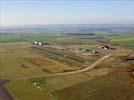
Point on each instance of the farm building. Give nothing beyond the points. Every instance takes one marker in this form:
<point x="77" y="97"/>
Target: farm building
<point x="104" y="44"/>
<point x="40" y="43"/>
<point x="105" y="47"/>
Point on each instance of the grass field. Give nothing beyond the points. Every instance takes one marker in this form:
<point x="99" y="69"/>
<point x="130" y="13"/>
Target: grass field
<point x="47" y="86"/>
<point x="25" y="90"/>
<point x="124" y="40"/>
<point x="111" y="87"/>
<point x="21" y="62"/>
<point x="18" y="60"/>
<point x="10" y="38"/>
<point x="6" y="38"/>
<point x="121" y="39"/>
<point x="74" y="87"/>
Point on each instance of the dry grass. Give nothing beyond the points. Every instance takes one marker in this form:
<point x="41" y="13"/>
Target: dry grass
<point x="14" y="56"/>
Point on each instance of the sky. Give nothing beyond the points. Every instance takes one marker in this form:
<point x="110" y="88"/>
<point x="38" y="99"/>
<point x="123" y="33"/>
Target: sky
<point x="27" y="12"/>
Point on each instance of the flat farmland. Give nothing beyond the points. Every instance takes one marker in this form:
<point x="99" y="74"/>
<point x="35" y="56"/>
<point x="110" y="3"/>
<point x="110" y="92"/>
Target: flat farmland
<point x="74" y="86"/>
<point x="124" y="40"/>
<point x="37" y="72"/>
<point x="110" y="87"/>
<point x="17" y="60"/>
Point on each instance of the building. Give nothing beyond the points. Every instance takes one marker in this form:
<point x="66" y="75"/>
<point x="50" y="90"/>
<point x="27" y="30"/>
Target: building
<point x="40" y="43"/>
<point x="106" y="47"/>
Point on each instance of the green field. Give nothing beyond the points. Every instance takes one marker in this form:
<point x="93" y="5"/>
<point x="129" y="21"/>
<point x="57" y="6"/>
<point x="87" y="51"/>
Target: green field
<point x="121" y="39"/>
<point x="25" y="90"/>
<point x="5" y="38"/>
<point x="124" y="40"/>
<point x="110" y="87"/>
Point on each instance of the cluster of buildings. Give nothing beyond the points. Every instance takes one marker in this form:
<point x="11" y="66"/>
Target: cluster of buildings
<point x="80" y="50"/>
<point x="85" y="51"/>
<point x="40" y="43"/>
<point x="105" y="45"/>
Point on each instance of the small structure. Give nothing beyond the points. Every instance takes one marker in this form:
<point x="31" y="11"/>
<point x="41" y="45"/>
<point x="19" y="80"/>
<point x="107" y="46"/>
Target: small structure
<point x="34" y="83"/>
<point x="104" y="44"/>
<point x="40" y="43"/>
<point x="35" y="42"/>
<point x="105" y="47"/>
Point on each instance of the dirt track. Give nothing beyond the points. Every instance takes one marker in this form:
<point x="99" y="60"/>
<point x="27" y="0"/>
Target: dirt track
<point x="73" y="72"/>
<point x="4" y="95"/>
<point x="85" y="69"/>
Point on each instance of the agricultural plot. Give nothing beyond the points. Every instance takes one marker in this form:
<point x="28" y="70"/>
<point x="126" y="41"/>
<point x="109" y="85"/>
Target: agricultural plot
<point x="110" y="87"/>
<point x="7" y="38"/>
<point x="124" y="40"/>
<point x="79" y="86"/>
<point x="17" y="60"/>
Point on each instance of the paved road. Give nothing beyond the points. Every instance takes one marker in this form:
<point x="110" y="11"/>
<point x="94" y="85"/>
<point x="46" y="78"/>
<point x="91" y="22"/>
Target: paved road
<point x="73" y="72"/>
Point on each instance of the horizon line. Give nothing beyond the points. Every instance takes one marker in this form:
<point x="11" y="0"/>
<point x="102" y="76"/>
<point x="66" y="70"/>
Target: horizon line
<point x="71" y="24"/>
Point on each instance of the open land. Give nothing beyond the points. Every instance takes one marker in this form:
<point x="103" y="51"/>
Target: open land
<point x="70" y="67"/>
